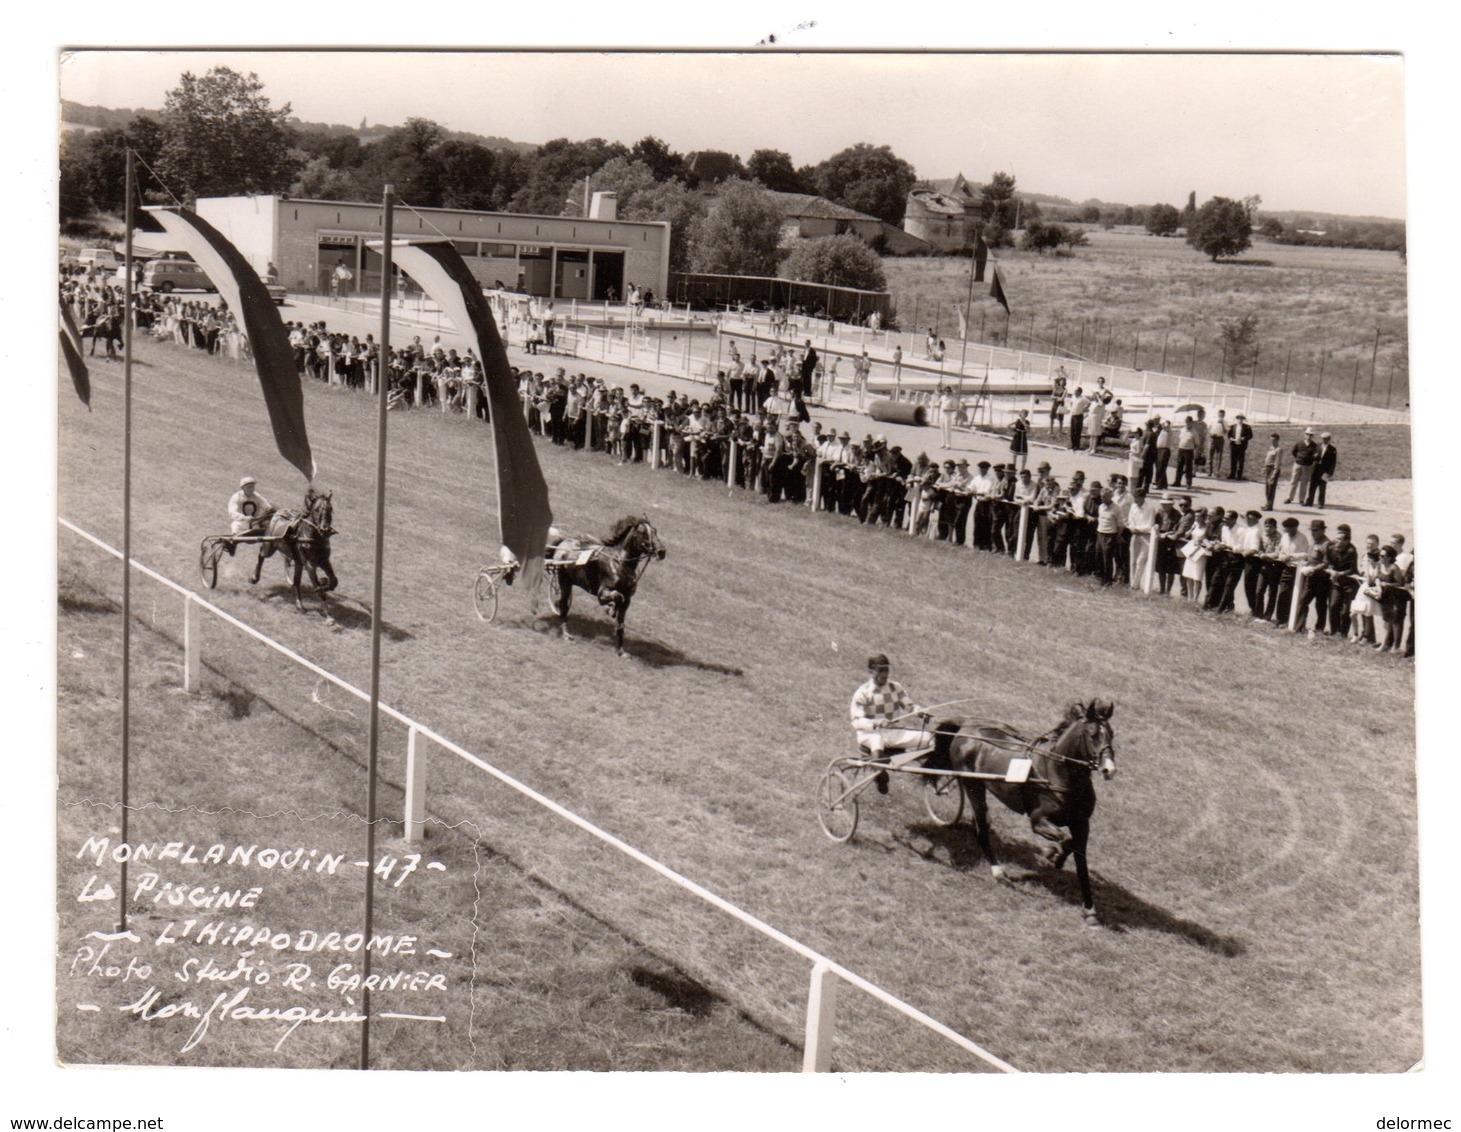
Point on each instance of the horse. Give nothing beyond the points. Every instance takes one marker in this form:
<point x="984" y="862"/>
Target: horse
<point x="610" y="571"/>
<point x="1058" y="798"/>
<point x="303" y="538"/>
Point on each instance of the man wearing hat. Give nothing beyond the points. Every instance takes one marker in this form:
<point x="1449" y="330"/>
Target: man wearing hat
<point x="1239" y="436"/>
<point x="883" y="716"/>
<point x="1325" y="462"/>
<point x="1317" y="586"/>
<point x="1306" y="453"/>
<point x="248" y="511"/>
<point x="983" y="485"/>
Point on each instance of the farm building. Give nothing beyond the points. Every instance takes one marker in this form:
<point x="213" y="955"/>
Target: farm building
<point x="561" y="257"/>
<point x="946" y="214"/>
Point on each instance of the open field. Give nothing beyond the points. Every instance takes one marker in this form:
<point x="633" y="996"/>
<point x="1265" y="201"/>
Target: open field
<point x="1254" y="857"/>
<point x="1315" y="305"/>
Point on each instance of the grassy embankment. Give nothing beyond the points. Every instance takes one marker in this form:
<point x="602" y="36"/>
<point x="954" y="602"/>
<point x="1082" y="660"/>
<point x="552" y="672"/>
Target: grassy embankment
<point x="1253" y="860"/>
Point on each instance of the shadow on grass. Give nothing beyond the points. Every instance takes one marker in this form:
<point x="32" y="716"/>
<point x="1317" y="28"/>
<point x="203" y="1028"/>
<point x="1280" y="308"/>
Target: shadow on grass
<point x="1120" y="909"/>
<point x="599" y="632"/>
<point x="678" y="990"/>
<point x="345" y="612"/>
<point x="69" y="603"/>
<point x="1245" y="262"/>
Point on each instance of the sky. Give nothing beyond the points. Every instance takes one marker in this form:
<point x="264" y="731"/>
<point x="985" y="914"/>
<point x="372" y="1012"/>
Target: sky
<point x="1307" y="132"/>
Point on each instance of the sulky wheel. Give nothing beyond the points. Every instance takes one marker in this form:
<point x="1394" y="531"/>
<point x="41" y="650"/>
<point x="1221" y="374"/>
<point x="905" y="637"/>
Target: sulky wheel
<point x="484" y="594"/>
<point x="837" y="805"/>
<point x="943" y="798"/>
<point x="208" y="557"/>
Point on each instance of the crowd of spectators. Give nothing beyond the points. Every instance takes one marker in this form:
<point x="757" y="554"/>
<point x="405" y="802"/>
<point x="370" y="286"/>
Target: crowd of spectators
<point x="748" y="431"/>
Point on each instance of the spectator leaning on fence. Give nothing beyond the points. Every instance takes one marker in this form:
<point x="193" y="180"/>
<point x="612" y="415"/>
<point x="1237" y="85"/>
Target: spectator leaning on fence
<point x="1087" y="529"/>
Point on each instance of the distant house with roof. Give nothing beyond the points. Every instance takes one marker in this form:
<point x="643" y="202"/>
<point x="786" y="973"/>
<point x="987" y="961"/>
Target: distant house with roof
<point x="805" y="216"/>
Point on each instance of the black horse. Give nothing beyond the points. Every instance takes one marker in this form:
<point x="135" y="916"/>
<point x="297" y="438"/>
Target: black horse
<point x="610" y="570"/>
<point x="1059" y="798"/>
<point x="303" y="538"/>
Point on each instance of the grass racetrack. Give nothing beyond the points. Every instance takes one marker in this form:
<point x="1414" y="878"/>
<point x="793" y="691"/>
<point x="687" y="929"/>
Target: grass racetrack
<point x="1255" y="859"/>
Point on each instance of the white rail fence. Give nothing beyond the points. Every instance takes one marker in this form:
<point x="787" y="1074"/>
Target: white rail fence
<point x="826" y="975"/>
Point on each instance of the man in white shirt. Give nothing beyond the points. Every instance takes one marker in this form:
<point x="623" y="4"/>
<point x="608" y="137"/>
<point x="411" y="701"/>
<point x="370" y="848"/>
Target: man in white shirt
<point x="248" y="511"/>
<point x="1141" y="519"/>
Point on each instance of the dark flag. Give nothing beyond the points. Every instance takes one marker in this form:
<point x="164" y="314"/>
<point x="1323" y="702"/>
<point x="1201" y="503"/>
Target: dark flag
<point x="523" y="510"/>
<point x="71" y="351"/>
<point x="996" y="292"/>
<point x="981" y="257"/>
<point x="241" y="288"/>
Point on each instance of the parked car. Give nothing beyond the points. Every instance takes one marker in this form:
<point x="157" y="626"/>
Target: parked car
<point x="168" y="275"/>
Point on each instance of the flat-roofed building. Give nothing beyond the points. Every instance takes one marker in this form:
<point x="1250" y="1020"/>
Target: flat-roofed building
<point x="560" y="257"/>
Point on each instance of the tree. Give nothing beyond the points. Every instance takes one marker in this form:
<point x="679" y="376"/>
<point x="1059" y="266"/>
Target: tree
<point x="870" y="179"/>
<point x="1189" y="212"/>
<point x="463" y="172"/>
<point x="1042" y="236"/>
<point x="1163" y="219"/>
<point x="558" y="170"/>
<point x="999" y="201"/>
<point x="1240" y="343"/>
<point x="320" y="180"/>
<point x="623" y="177"/>
<point x="94" y="165"/>
<point x="1222" y="227"/>
<point x="222" y="137"/>
<point x="775" y="171"/>
<point x="842" y="261"/>
<point x="1272" y="228"/>
<point x="739" y="234"/>
<point x="712" y="166"/>
<point x="675" y="202"/>
<point x="403" y="158"/>
<point x="664" y="164"/>
<point x="1091" y="214"/>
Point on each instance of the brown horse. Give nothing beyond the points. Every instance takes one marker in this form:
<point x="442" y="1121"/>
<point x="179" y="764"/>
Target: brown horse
<point x="303" y="538"/>
<point x="1058" y="798"/>
<point x="610" y="570"/>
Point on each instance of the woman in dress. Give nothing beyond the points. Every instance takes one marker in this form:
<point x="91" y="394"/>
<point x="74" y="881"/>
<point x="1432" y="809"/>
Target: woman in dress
<point x="1366" y="604"/>
<point x="1020" y="440"/>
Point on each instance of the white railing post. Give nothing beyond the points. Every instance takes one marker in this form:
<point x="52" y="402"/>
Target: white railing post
<point x="415" y="810"/>
<point x="732" y="451"/>
<point x="1151" y="563"/>
<point x="821" y="1020"/>
<point x="913" y="511"/>
<point x="192" y="644"/>
<point x="654" y="441"/>
<point x="1301" y="578"/>
<point x="1021" y="553"/>
<point x="815" y="496"/>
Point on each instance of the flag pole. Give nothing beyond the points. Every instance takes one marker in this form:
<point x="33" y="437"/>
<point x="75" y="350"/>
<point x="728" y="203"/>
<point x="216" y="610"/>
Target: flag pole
<point x="382" y="390"/>
<point x="130" y="219"/>
<point x="968" y="310"/>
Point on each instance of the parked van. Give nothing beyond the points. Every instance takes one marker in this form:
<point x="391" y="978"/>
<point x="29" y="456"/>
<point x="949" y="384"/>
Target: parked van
<point x="103" y="258"/>
<point x="168" y="275"/>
